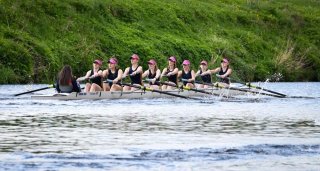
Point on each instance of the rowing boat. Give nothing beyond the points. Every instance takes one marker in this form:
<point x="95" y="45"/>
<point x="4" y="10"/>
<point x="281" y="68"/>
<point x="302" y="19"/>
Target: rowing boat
<point x="137" y="94"/>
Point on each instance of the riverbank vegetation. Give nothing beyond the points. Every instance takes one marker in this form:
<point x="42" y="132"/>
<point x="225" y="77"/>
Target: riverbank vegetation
<point x="261" y="37"/>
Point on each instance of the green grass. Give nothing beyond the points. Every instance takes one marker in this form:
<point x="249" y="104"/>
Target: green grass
<point x="38" y="37"/>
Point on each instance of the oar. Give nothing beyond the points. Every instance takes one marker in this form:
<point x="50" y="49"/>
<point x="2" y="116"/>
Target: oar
<point x="260" y="88"/>
<point x="249" y="91"/>
<point x="52" y="86"/>
<point x="239" y="89"/>
<point x="191" y="89"/>
<point x="157" y="91"/>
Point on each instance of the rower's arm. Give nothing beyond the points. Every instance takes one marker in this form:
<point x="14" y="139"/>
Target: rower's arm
<point x="139" y="70"/>
<point x="227" y="73"/>
<point x="158" y="74"/>
<point x="163" y="72"/>
<point x="197" y="74"/>
<point x="105" y="73"/>
<point x="125" y="74"/>
<point x="214" y="70"/>
<point x="145" y="74"/>
<point x="120" y="73"/>
<point x="99" y="73"/>
<point x="211" y="71"/>
<point x="88" y="74"/>
<point x="193" y="77"/>
<point x="179" y="74"/>
<point x="175" y="71"/>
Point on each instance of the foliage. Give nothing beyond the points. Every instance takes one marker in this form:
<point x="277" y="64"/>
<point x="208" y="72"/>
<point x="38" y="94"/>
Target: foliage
<point x="261" y="37"/>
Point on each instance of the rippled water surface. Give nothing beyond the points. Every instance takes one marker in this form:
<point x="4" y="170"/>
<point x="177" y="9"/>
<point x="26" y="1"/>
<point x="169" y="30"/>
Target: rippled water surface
<point x="247" y="133"/>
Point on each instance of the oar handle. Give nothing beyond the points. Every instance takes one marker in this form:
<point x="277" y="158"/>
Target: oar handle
<point x="80" y="79"/>
<point x="108" y="81"/>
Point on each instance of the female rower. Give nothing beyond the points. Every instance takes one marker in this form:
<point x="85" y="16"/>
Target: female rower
<point x="66" y="82"/>
<point x="172" y="73"/>
<point x="206" y="79"/>
<point x="113" y="74"/>
<point x="135" y="73"/>
<point x="95" y="77"/>
<point x="187" y="75"/>
<point x="153" y="74"/>
<point x="223" y="72"/>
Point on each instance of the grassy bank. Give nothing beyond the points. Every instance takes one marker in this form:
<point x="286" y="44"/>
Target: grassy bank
<point x="261" y="37"/>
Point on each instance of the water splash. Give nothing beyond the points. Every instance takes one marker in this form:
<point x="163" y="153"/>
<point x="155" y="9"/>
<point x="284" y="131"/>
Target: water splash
<point x="276" y="77"/>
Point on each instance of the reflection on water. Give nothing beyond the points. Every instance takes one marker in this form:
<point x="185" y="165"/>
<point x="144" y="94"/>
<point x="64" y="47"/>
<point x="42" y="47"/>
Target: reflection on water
<point x="162" y="134"/>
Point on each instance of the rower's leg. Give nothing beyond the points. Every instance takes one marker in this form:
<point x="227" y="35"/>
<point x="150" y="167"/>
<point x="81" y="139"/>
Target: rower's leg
<point x="106" y="87"/>
<point x="133" y="88"/>
<point x="116" y="87"/>
<point x="87" y="88"/>
<point x="169" y="88"/>
<point x="95" y="87"/>
<point x="190" y="85"/>
<point x="164" y="87"/>
<point x="126" y="88"/>
<point x="201" y="86"/>
<point x="155" y="87"/>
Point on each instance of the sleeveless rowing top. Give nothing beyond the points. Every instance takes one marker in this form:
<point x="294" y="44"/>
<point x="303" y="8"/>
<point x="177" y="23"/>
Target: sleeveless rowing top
<point x="186" y="76"/>
<point x="172" y="78"/>
<point x="206" y="78"/>
<point x="73" y="87"/>
<point x="112" y="76"/>
<point x="135" y="79"/>
<point x="224" y="80"/>
<point x="152" y="76"/>
<point x="96" y="80"/>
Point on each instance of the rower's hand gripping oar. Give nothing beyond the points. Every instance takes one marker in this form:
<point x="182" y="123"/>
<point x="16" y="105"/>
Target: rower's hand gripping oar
<point x="44" y="88"/>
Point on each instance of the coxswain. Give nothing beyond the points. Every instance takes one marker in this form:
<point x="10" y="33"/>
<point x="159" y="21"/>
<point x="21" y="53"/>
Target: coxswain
<point x="66" y="82"/>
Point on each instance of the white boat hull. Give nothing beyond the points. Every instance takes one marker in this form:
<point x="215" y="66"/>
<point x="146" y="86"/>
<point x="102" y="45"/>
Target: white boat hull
<point x="136" y="94"/>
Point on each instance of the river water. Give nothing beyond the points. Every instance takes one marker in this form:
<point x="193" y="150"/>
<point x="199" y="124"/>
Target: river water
<point x="249" y="133"/>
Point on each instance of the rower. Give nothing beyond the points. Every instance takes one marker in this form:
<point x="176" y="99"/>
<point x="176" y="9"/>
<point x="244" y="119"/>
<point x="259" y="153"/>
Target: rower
<point x="223" y="72"/>
<point x="205" y="78"/>
<point x="113" y="76"/>
<point x="171" y="72"/>
<point x="95" y="77"/>
<point x="134" y="72"/>
<point x="66" y="82"/>
<point x="187" y="75"/>
<point x="152" y="74"/>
